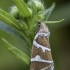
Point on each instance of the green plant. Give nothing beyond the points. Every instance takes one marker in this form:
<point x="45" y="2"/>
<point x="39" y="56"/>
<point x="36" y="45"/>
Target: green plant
<point x="21" y="23"/>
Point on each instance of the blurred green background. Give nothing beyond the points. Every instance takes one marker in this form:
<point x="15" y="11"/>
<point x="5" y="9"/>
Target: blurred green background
<point x="59" y="38"/>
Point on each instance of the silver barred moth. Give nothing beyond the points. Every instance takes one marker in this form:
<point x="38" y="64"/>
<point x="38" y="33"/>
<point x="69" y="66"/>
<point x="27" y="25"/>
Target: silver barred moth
<point x="41" y="58"/>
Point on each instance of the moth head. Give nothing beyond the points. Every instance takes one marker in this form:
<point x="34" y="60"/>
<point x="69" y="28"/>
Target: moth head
<point x="43" y="28"/>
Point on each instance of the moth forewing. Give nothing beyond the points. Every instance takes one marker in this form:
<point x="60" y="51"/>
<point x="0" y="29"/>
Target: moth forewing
<point x="41" y="58"/>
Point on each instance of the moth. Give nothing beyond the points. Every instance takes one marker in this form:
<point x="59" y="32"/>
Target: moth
<point x="41" y="58"/>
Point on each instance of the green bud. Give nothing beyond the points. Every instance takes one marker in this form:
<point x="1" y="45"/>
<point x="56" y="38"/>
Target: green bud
<point x="38" y="4"/>
<point x="14" y="11"/>
<point x="39" y="17"/>
<point x="30" y="11"/>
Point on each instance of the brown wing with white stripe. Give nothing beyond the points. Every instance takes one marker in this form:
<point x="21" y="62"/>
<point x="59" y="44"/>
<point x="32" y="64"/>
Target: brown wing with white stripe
<point x="41" y="58"/>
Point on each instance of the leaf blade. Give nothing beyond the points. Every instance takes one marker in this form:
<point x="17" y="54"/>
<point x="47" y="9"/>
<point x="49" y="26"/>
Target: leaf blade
<point x="22" y="7"/>
<point x="16" y="35"/>
<point x="8" y="19"/>
<point x="48" y="11"/>
<point x="52" y="21"/>
<point x="16" y="52"/>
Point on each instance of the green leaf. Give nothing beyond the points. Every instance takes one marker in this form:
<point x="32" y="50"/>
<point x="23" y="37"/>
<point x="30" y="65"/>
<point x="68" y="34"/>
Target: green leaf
<point x="62" y="11"/>
<point x="52" y="21"/>
<point x="48" y="11"/>
<point x="22" y="7"/>
<point x="16" y="52"/>
<point x="17" y="36"/>
<point x="8" y="19"/>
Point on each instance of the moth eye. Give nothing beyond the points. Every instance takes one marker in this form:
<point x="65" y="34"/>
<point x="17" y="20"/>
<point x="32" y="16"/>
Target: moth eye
<point x="39" y="24"/>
